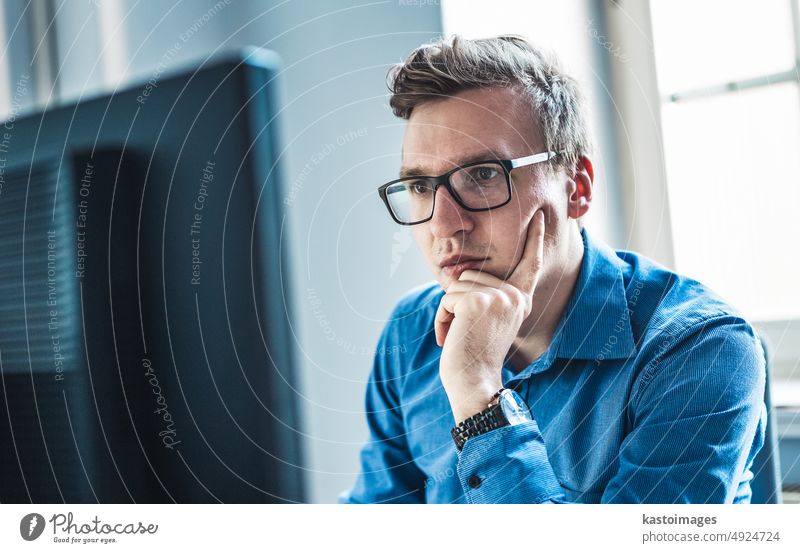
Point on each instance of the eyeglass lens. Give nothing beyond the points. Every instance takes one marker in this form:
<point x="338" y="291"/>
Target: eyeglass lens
<point x="478" y="187"/>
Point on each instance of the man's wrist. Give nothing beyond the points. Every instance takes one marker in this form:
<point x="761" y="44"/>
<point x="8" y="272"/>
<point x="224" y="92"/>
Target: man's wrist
<point x="472" y="401"/>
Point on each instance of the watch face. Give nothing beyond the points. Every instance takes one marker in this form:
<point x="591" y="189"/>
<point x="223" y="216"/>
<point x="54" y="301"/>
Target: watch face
<point x="514" y="408"/>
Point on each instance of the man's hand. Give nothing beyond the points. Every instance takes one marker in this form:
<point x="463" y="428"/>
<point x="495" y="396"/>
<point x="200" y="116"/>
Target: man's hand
<point x="477" y="321"/>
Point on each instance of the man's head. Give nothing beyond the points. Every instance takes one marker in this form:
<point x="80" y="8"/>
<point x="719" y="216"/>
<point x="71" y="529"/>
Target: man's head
<point x="497" y="98"/>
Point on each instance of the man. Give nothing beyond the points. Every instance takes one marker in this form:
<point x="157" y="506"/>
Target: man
<point x="541" y="366"/>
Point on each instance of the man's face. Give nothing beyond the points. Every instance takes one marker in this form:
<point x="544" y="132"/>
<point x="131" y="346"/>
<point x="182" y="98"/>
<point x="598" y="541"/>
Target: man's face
<point x="492" y="124"/>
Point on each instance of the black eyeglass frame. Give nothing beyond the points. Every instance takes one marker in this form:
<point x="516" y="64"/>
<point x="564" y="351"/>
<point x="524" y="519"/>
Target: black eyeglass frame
<point x="508" y="165"/>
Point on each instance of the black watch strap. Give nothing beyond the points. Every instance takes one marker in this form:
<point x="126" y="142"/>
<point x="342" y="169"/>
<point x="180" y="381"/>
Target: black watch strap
<point x="490" y="418"/>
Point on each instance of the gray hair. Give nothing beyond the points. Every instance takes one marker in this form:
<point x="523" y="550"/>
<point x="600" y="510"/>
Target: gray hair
<point x="446" y="67"/>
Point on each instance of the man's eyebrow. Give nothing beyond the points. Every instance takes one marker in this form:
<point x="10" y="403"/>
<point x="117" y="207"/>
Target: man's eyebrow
<point x="420" y="171"/>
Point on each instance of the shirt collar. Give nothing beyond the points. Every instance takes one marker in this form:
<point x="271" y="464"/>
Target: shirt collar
<point x="596" y="323"/>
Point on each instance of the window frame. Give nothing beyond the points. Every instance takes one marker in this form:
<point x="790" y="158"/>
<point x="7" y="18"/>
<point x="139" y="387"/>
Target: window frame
<point x="635" y="88"/>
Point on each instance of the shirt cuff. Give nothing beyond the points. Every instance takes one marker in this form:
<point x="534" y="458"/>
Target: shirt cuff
<point x="508" y="465"/>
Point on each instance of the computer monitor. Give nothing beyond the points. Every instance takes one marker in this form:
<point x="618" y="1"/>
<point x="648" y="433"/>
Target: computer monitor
<point x="146" y="351"/>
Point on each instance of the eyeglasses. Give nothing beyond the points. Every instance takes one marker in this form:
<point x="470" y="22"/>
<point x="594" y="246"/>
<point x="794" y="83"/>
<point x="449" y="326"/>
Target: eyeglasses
<point x="478" y="186"/>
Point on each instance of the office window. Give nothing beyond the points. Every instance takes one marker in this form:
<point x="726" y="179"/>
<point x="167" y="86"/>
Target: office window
<point x="730" y="106"/>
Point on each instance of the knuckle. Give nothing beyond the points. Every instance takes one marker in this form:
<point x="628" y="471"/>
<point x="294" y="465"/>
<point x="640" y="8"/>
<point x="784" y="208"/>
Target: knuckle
<point x="514" y="295"/>
<point x="479" y="301"/>
<point x="497" y="302"/>
<point x="520" y="301"/>
<point x="506" y="300"/>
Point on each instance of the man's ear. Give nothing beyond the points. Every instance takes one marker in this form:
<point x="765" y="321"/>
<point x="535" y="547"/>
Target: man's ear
<point x="581" y="193"/>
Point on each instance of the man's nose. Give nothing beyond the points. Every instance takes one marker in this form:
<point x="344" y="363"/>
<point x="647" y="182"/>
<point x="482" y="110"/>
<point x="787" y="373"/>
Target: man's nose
<point x="449" y="218"/>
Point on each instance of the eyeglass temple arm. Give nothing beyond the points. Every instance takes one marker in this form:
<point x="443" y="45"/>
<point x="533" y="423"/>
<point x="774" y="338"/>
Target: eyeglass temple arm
<point x="536" y="158"/>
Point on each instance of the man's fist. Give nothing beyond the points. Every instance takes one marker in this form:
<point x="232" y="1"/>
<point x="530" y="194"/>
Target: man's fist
<point x="477" y="321"/>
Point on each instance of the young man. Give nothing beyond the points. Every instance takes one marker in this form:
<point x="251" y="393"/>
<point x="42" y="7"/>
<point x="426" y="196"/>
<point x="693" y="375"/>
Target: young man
<point x="541" y="366"/>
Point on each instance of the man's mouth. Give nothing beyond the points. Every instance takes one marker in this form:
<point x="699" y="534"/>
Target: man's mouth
<point x="453" y="268"/>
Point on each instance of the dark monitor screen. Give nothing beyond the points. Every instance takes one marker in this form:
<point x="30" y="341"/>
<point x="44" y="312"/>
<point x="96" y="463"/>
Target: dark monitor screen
<point x="145" y="339"/>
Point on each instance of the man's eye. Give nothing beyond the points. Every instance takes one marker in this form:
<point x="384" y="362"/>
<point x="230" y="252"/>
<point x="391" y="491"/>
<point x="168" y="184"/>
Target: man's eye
<point x="419" y="188"/>
<point x="484" y="174"/>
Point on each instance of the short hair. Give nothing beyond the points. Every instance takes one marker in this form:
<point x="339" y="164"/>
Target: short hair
<point x="445" y="67"/>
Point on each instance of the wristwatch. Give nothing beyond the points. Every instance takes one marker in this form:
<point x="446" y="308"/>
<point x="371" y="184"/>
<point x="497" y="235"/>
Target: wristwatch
<point x="505" y="408"/>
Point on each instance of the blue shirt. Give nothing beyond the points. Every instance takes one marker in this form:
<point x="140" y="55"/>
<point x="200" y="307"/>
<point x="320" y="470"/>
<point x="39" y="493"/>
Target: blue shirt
<point x="651" y="391"/>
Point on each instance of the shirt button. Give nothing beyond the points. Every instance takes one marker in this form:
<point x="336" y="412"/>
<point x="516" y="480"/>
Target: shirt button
<point x="474" y="481"/>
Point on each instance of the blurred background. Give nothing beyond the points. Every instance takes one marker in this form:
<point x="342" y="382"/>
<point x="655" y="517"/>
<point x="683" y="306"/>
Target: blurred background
<point x="695" y="108"/>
